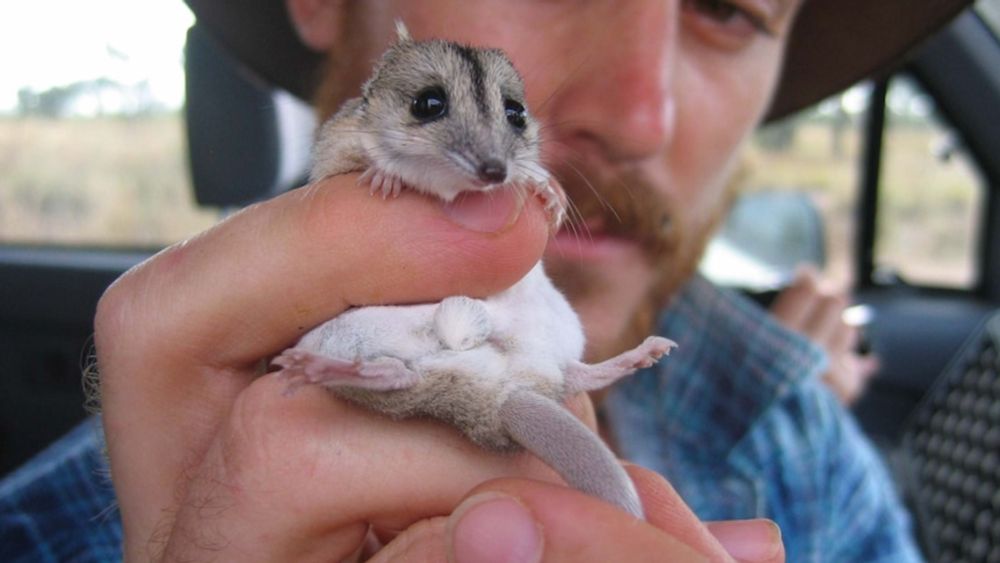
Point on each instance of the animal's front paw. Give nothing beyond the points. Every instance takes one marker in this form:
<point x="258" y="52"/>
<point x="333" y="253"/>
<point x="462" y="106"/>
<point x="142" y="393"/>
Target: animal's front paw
<point x="382" y="183"/>
<point x="554" y="200"/>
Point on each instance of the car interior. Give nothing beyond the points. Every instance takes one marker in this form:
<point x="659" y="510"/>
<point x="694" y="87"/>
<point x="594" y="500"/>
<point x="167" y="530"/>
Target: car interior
<point x="921" y="254"/>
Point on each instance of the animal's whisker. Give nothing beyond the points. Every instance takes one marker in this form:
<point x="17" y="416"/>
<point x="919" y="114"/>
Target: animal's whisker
<point x="597" y="194"/>
<point x="563" y="84"/>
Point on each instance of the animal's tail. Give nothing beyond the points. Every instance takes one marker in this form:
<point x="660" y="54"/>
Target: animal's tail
<point x="548" y="430"/>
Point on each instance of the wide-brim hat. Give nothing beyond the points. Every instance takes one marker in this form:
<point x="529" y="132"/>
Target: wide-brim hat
<point x="834" y="43"/>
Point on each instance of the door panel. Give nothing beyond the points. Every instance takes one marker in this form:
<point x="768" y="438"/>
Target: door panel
<point x="47" y="303"/>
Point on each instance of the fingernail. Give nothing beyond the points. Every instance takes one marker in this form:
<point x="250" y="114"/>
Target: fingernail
<point x="493" y="528"/>
<point x="485" y="212"/>
<point x="749" y="540"/>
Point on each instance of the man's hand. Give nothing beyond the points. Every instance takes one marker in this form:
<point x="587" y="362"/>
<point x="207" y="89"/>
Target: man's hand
<point x="815" y="309"/>
<point x="529" y="521"/>
<point x="211" y="461"/>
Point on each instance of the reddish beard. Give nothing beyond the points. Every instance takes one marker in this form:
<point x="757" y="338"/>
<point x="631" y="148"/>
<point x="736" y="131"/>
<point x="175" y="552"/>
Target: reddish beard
<point x="628" y="205"/>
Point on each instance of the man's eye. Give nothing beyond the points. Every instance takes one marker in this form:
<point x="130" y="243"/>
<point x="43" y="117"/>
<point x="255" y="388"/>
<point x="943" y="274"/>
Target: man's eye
<point x="723" y="12"/>
<point x="727" y="17"/>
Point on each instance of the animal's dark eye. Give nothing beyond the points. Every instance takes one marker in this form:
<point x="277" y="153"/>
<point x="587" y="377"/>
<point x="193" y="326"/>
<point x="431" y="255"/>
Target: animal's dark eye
<point x="429" y="104"/>
<point x="514" y="112"/>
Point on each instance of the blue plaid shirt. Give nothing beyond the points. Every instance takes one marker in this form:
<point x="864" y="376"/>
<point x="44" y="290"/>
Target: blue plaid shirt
<point x="736" y="418"/>
<point x="739" y="421"/>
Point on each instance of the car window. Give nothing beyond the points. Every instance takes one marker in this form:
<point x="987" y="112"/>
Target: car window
<point x="808" y="160"/>
<point x="799" y="200"/>
<point x="931" y="196"/>
<point x="989" y="11"/>
<point x="91" y="130"/>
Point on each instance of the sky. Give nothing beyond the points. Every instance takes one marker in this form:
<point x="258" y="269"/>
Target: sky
<point x="46" y="43"/>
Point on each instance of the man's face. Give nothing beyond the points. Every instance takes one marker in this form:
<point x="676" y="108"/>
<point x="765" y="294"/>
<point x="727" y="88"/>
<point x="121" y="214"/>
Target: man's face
<point x="643" y="106"/>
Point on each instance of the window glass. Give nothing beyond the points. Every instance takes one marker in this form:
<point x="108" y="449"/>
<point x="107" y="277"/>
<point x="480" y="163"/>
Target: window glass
<point x="797" y="199"/>
<point x="989" y="11"/>
<point x="91" y="131"/>
<point x="931" y="196"/>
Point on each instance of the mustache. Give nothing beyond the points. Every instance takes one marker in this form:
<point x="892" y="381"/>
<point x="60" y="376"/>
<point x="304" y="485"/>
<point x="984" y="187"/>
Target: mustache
<point x="624" y="203"/>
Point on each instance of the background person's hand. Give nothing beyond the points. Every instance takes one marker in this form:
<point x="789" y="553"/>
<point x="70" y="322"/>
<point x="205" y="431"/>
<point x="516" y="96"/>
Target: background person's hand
<point x="815" y="308"/>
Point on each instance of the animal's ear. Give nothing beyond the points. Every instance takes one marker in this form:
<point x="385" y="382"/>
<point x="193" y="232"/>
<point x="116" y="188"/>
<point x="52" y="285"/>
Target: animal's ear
<point x="402" y="34"/>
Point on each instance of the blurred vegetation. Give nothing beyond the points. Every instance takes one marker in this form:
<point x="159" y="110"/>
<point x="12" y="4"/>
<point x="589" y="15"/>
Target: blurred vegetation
<point x="930" y="197"/>
<point x="110" y="181"/>
<point x="118" y="177"/>
<point x="99" y="97"/>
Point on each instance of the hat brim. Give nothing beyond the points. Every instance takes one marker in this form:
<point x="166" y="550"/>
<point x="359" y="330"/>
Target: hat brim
<point x="834" y="43"/>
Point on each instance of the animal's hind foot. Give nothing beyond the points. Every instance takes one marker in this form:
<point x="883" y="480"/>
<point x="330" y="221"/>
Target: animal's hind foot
<point x="587" y="377"/>
<point x="299" y="368"/>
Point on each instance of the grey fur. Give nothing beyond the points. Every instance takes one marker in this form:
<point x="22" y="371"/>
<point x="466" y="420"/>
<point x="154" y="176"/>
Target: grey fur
<point x="496" y="368"/>
<point x="440" y="157"/>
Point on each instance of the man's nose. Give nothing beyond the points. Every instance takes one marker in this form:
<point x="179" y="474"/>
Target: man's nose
<point x="622" y="97"/>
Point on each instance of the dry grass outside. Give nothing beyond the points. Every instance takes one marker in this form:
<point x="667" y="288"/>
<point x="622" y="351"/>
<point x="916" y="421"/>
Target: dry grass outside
<point x="929" y="209"/>
<point x="96" y="182"/>
<point x="813" y="165"/>
<point x="118" y="182"/>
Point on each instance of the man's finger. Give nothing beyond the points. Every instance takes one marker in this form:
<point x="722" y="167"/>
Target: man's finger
<point x="522" y="520"/>
<point x="825" y="319"/>
<point x="423" y="542"/>
<point x="293" y="262"/>
<point x="508" y="521"/>
<point x="793" y="305"/>
<point x="745" y="540"/>
<point x="329" y="469"/>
